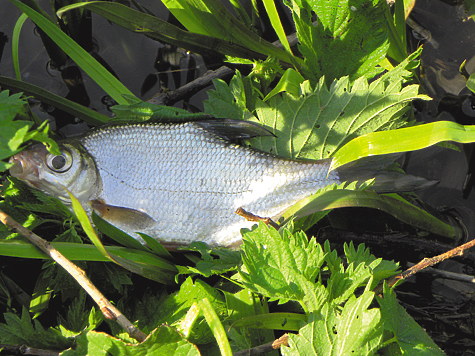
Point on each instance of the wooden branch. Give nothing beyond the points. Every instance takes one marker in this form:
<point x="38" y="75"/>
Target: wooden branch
<point x="427" y="262"/>
<point x="109" y="311"/>
<point x="251" y="217"/>
<point x="171" y="97"/>
<point x="262" y="349"/>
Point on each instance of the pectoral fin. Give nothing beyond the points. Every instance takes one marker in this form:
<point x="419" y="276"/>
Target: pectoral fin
<point x="126" y="219"/>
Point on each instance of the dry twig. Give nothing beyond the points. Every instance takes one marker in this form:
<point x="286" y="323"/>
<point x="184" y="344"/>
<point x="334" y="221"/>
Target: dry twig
<point x="427" y="262"/>
<point x="109" y="311"/>
<point x="251" y="217"/>
<point x="262" y="349"/>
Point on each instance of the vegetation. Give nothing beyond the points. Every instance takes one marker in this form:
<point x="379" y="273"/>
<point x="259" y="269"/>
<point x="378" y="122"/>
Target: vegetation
<point x="349" y="82"/>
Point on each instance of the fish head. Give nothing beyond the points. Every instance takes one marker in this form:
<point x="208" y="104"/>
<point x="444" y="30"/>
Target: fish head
<point x="74" y="169"/>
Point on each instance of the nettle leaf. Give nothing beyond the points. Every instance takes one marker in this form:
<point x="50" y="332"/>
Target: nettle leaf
<point x="350" y="37"/>
<point x="320" y="121"/>
<point x="282" y="267"/>
<point x="380" y="269"/>
<point x="213" y="261"/>
<point x="21" y="331"/>
<point x="153" y="311"/>
<point x="410" y="337"/>
<point x="357" y="330"/>
<point x="315" y="124"/>
<point x="231" y="102"/>
<point x="162" y="341"/>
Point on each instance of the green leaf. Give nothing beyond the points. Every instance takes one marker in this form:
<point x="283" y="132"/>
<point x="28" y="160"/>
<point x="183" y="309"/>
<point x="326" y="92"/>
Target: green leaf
<point x="241" y="306"/>
<point x="399" y="208"/>
<point x="163" y="31"/>
<point x="273" y="321"/>
<point x="15" y="44"/>
<point x="350" y="38"/>
<point x="21" y="331"/>
<point x="139" y="111"/>
<point x="213" y="261"/>
<point x="210" y="17"/>
<point x="403" y="140"/>
<point x="215" y="326"/>
<point x="91" y="66"/>
<point x="290" y="83"/>
<point x="410" y="337"/>
<point x="283" y="267"/>
<point x="231" y="102"/>
<point x="319" y="121"/>
<point x="86" y="114"/>
<point x="357" y="331"/>
<point x="164" y="340"/>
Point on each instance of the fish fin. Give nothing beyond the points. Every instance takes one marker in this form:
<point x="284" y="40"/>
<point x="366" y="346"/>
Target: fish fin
<point x="126" y="219"/>
<point x="233" y="130"/>
<point x="387" y="179"/>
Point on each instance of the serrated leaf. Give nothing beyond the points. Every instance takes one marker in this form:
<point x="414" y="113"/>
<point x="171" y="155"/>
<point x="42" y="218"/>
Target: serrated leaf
<point x="21" y="331"/>
<point x="357" y="331"/>
<point x="231" y="101"/>
<point x="283" y="267"/>
<point x="213" y="261"/>
<point x="349" y="39"/>
<point x="410" y="337"/>
<point x="162" y="341"/>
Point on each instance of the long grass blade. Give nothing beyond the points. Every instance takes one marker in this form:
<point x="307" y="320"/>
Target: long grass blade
<point x="160" y="30"/>
<point x="15" y="44"/>
<point x="216" y="327"/>
<point x="86" y="114"/>
<point x="402" y="140"/>
<point x="399" y="208"/>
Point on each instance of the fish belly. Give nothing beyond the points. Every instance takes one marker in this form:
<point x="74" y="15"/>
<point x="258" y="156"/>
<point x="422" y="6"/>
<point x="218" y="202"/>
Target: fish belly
<point x="191" y="182"/>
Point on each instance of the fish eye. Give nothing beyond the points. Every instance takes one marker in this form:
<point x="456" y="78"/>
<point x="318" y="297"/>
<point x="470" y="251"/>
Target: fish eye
<point x="61" y="163"/>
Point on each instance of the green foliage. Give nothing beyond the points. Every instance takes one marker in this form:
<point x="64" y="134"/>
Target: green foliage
<point x="162" y="341"/>
<point x="318" y="121"/>
<point x="355" y="330"/>
<point x="212" y="261"/>
<point x="287" y="267"/>
<point x="350" y="38"/>
<point x="14" y="133"/>
<point x="21" y="330"/>
<point x="409" y="336"/>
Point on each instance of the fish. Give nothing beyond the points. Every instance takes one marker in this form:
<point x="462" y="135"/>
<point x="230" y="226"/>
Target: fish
<point x="176" y="182"/>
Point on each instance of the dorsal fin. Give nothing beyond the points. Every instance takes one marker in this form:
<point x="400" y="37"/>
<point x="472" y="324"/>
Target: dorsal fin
<point x="233" y="130"/>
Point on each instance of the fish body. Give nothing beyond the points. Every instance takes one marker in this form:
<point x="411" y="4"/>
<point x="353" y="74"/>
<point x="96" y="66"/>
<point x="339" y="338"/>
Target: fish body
<point x="178" y="183"/>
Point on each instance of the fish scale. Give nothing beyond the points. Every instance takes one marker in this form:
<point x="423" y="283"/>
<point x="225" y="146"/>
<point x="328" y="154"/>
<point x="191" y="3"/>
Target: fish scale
<point x="191" y="182"/>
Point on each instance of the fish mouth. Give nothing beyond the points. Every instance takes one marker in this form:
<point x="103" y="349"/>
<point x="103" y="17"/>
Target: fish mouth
<point x="26" y="164"/>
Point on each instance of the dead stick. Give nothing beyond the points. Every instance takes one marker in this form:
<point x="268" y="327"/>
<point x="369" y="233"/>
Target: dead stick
<point x="427" y="262"/>
<point x="109" y="311"/>
<point x="262" y="349"/>
<point x="251" y="217"/>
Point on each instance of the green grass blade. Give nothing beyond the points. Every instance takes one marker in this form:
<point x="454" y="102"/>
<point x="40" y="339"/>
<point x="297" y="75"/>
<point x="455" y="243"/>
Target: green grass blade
<point x="277" y="24"/>
<point x="402" y="140"/>
<point x="92" y="67"/>
<point x="273" y="321"/>
<point x="210" y="17"/>
<point x="86" y="224"/>
<point x="399" y="208"/>
<point x="78" y="252"/>
<point x="216" y="327"/>
<point x="160" y="30"/>
<point x="15" y="44"/>
<point x="86" y="114"/>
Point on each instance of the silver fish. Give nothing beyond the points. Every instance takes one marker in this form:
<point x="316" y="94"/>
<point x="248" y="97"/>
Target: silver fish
<point x="178" y="183"/>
